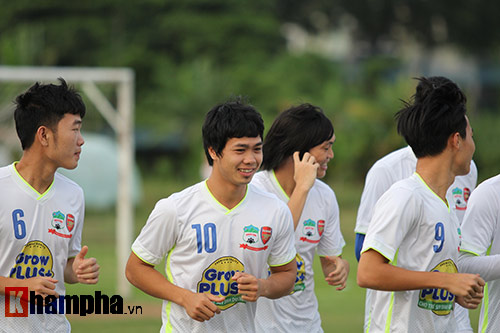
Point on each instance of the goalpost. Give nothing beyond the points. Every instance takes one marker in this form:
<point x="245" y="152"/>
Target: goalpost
<point x="121" y="121"/>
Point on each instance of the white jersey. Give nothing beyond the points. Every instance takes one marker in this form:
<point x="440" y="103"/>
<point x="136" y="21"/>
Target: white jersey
<point x="401" y="164"/>
<point x="318" y="230"/>
<point x="396" y="166"/>
<point x="480" y="230"/>
<point x="206" y="244"/>
<point x="38" y="233"/>
<point x="416" y="230"/>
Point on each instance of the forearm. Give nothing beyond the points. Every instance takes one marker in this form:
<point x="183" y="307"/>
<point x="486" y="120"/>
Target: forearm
<point x="69" y="273"/>
<point x="149" y="280"/>
<point x="9" y="282"/>
<point x="296" y="204"/>
<point x="280" y="282"/>
<point x="488" y="267"/>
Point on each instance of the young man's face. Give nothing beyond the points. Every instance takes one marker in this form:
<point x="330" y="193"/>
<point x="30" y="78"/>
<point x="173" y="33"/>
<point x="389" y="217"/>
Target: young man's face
<point x="467" y="148"/>
<point x="66" y="144"/>
<point x="240" y="159"/>
<point x="323" y="153"/>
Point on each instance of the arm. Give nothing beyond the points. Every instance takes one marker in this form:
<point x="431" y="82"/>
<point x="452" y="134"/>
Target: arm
<point x="336" y="270"/>
<point x="486" y="266"/>
<point x="198" y="306"/>
<point x="40" y="285"/>
<point x="375" y="272"/>
<point x="278" y="284"/>
<point x="305" y="172"/>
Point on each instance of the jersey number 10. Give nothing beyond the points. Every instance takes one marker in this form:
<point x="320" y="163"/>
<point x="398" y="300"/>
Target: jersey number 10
<point x="209" y="237"/>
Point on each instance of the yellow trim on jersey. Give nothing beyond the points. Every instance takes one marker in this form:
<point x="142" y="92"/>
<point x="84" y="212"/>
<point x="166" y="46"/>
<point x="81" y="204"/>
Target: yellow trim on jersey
<point x="486" y="308"/>
<point x="378" y="251"/>
<point x="227" y="209"/>
<point x="285" y="263"/>
<point x="168" y="307"/>
<point x="138" y="256"/>
<point x="40" y="196"/>
<point x="279" y="185"/>
<point x="423" y="182"/>
<point x="389" y="314"/>
<point x="467" y="251"/>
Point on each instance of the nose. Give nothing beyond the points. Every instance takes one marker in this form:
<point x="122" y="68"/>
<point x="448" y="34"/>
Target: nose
<point x="80" y="140"/>
<point x="252" y="157"/>
<point x="330" y="153"/>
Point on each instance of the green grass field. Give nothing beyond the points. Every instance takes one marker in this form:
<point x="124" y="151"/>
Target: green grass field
<point x="340" y="311"/>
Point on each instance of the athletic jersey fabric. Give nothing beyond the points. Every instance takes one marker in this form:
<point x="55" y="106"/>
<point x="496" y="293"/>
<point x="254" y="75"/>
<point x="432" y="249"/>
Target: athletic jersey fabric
<point x="206" y="244"/>
<point x="318" y="231"/>
<point x="38" y="233"/>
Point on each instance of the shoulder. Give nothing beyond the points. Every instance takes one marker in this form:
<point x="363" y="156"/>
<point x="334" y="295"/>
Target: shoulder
<point x="5" y="172"/>
<point x="263" y="198"/>
<point x="67" y="184"/>
<point x="490" y="186"/>
<point x="189" y="195"/>
<point x="262" y="179"/>
<point x="401" y="156"/>
<point x="324" y="190"/>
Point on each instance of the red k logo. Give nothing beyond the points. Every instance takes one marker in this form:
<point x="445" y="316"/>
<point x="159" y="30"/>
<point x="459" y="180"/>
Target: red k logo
<point x="16" y="302"/>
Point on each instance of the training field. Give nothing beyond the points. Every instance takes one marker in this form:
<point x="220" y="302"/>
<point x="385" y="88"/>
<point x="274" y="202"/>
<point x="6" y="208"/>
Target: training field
<point x="340" y="311"/>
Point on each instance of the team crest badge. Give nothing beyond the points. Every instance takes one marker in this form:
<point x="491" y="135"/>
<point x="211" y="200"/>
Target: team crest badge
<point x="466" y="194"/>
<point x="251" y="237"/>
<point x="70" y="222"/>
<point x="309" y="228"/>
<point x="250" y="234"/>
<point x="58" y="220"/>
<point x="265" y="234"/>
<point x="459" y="198"/>
<point x="321" y="227"/>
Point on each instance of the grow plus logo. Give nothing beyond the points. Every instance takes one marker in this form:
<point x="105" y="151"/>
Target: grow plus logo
<point x="21" y="303"/>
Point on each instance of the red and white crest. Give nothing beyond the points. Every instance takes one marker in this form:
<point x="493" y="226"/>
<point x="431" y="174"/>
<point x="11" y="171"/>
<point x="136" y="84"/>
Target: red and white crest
<point x="321" y="227"/>
<point x="70" y="222"/>
<point x="265" y="234"/>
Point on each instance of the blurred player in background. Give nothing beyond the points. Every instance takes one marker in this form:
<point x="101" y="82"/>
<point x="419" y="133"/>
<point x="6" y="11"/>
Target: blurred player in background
<point x="297" y="150"/>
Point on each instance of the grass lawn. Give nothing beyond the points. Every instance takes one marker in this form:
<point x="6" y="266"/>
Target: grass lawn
<point x="340" y="311"/>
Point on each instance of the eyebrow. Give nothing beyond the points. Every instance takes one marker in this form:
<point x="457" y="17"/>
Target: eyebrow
<point x="77" y="122"/>
<point x="242" y="145"/>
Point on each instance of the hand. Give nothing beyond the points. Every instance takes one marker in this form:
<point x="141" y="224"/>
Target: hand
<point x="469" y="286"/>
<point x="86" y="270"/>
<point x="305" y="170"/>
<point x="248" y="286"/>
<point x="469" y="302"/>
<point x="339" y="271"/>
<point x="42" y="286"/>
<point x="200" y="306"/>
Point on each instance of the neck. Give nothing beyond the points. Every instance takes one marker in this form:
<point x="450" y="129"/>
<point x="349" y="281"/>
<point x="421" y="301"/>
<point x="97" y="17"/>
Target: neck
<point x="437" y="174"/>
<point x="228" y="194"/>
<point x="36" y="173"/>
<point x="284" y="174"/>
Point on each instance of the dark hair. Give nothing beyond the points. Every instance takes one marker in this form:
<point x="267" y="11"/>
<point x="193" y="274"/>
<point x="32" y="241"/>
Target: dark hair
<point x="232" y="119"/>
<point x="44" y="105"/>
<point x="436" y="111"/>
<point x="299" y="128"/>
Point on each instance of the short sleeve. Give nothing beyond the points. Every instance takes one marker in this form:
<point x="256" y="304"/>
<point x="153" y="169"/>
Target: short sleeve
<point x="332" y="242"/>
<point x="159" y="234"/>
<point x="480" y="220"/>
<point x="378" y="181"/>
<point x="75" y="243"/>
<point x="283" y="250"/>
<point x="395" y="214"/>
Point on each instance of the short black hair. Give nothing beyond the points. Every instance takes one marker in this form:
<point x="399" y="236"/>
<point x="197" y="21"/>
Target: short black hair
<point x="436" y="111"/>
<point x="44" y="105"/>
<point x="299" y="128"/>
<point x="232" y="119"/>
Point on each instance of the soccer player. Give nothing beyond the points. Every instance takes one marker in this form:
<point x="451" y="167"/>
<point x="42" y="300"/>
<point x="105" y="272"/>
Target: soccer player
<point x="480" y="250"/>
<point x="219" y="235"/>
<point x="297" y="150"/>
<point x="42" y="211"/>
<point x="411" y="247"/>
<point x="398" y="165"/>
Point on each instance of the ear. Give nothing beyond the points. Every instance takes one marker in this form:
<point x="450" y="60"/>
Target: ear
<point x="42" y="135"/>
<point x="212" y="153"/>
<point x="455" y="140"/>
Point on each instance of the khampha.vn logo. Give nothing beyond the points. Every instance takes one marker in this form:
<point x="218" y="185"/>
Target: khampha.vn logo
<point x="19" y="302"/>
